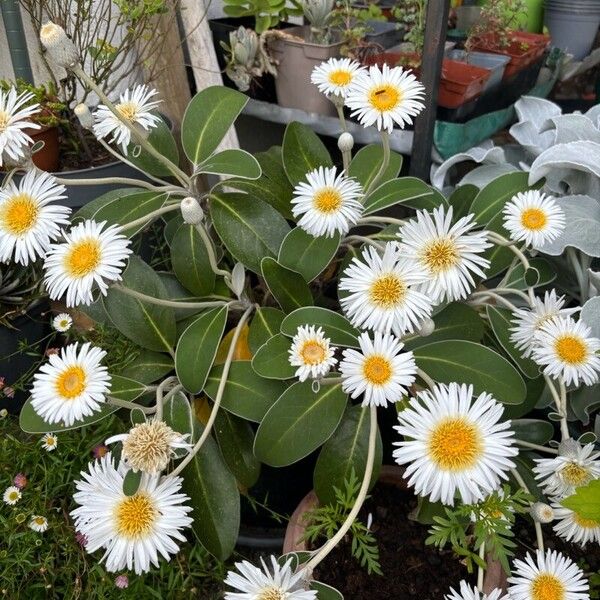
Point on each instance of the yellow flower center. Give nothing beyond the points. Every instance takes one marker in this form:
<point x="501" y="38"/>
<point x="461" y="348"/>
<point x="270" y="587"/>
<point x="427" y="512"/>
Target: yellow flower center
<point x="575" y="474"/>
<point x="4" y="120"/>
<point x="455" y="444"/>
<point x="313" y="353"/>
<point x="585" y="523"/>
<point x="19" y="214"/>
<point x="533" y="218"/>
<point x="571" y="349"/>
<point x="135" y="516"/>
<point x="340" y="77"/>
<point x="50" y="441"/>
<point x="387" y="291"/>
<point x="384" y="97"/>
<point x="271" y="593"/>
<point x="440" y="255"/>
<point x="327" y="200"/>
<point x="71" y="382"/>
<point x="39" y="521"/>
<point x="377" y="369"/>
<point x="128" y="110"/>
<point x="547" y="587"/>
<point x="12" y="496"/>
<point x="83" y="258"/>
<point x="63" y="323"/>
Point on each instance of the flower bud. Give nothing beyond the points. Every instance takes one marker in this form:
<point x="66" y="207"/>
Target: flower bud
<point x="427" y="327"/>
<point x="61" y="50"/>
<point x="82" y="112"/>
<point x="191" y="211"/>
<point x="542" y="513"/>
<point x="569" y="448"/>
<point x="345" y="142"/>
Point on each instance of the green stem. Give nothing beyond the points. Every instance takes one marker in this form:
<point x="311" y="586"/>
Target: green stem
<point x="564" y="428"/>
<point x="497" y="297"/>
<point x="160" y="391"/>
<point x="148" y="410"/>
<point x="538" y="528"/>
<point x="535" y="447"/>
<point x="108" y="181"/>
<point x="167" y="303"/>
<point x="385" y="142"/>
<point x="480" y="568"/>
<point x="380" y="219"/>
<point x="363" y="240"/>
<point x="150" y="216"/>
<point x="212" y="257"/>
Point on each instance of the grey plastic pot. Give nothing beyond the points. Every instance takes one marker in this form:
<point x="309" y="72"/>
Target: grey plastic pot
<point x="572" y="29"/>
<point x="383" y="33"/>
<point x="493" y="62"/>
<point x="296" y="59"/>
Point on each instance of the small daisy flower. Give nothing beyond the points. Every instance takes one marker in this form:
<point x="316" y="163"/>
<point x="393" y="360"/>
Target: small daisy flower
<point x="253" y="583"/>
<point x="29" y="220"/>
<point x="20" y="480"/>
<point x="49" y="442"/>
<point x="575" y="528"/>
<point x="311" y="353"/>
<point x="448" y="254"/>
<point x="327" y="204"/>
<point x="14" y="117"/>
<point x="135" y="107"/>
<point x="453" y="444"/>
<point x="385" y="97"/>
<point x="566" y="350"/>
<point x="11" y="495"/>
<point x="149" y="446"/>
<point x="549" y="576"/>
<point x="468" y="592"/>
<point x="383" y="295"/>
<point x="334" y="77"/>
<point x="132" y="530"/>
<point x="62" y="322"/>
<point x="3" y="413"/>
<point x="90" y="255"/>
<point x="533" y="218"/>
<point x="38" y="523"/>
<point x="528" y="322"/>
<point x="380" y="372"/>
<point x="122" y="582"/>
<point x="72" y="385"/>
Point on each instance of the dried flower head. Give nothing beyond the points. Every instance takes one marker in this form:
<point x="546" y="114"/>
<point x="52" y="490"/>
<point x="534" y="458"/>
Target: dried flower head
<point x="61" y="50"/>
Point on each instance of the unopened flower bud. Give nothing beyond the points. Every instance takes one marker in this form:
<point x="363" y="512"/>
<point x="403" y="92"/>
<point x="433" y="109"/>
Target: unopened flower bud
<point x="542" y="513"/>
<point x="191" y="211"/>
<point x="427" y="327"/>
<point x="569" y="448"/>
<point x="345" y="142"/>
<point x="61" y="50"/>
<point x="82" y="112"/>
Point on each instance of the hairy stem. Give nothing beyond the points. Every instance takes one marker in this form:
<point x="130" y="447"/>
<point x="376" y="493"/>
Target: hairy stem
<point x="212" y="258"/>
<point x="168" y="303"/>
<point x="148" y="410"/>
<point x="480" y="569"/>
<point x="535" y="447"/>
<point x="538" y="528"/>
<point x="150" y="216"/>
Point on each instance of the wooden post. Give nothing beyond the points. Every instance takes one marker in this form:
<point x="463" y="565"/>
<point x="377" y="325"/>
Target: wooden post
<point x="431" y="67"/>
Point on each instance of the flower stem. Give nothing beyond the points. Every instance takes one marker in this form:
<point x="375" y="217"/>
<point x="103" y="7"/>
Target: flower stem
<point x="535" y="447"/>
<point x="564" y="428"/>
<point x="490" y="294"/>
<point x="168" y="303"/>
<point x="538" y="528"/>
<point x="212" y="258"/>
<point x="430" y="382"/>
<point x="160" y="391"/>
<point x="382" y="220"/>
<point x="148" y="410"/>
<point x="150" y="216"/>
<point x="385" y="142"/>
<point x="480" y="568"/>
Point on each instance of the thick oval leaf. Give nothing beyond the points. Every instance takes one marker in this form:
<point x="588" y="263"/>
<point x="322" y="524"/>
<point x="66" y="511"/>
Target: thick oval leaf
<point x="207" y="119"/>
<point x="298" y="423"/>
<point x="335" y="326"/>
<point x="306" y="254"/>
<point x="246" y="394"/>
<point x="160" y="139"/>
<point x="264" y="326"/>
<point x="367" y="161"/>
<point x="303" y="152"/>
<point x="471" y="363"/>
<point x="325" y="591"/>
<point x="190" y="261"/>
<point x="234" y="162"/>
<point x="546" y="273"/>
<point x="533" y="431"/>
<point x="178" y="415"/>
<point x="149" y="366"/>
<point x="148" y="325"/>
<point x="87" y="211"/>
<point x="250" y="228"/>
<point x="177" y="293"/>
<point x="197" y="348"/>
<point x="288" y="287"/>
<point x="461" y="199"/>
<point x="346" y="451"/>
<point x="131" y="482"/>
<point x="409" y="191"/>
<point x="272" y="359"/>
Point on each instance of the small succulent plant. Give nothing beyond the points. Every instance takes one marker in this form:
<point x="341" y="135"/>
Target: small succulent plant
<point x="20" y="287"/>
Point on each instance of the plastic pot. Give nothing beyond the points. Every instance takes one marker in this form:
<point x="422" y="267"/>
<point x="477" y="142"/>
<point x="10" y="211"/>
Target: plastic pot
<point x="496" y="63"/>
<point x="46" y="159"/>
<point x="384" y="34"/>
<point x="573" y="29"/>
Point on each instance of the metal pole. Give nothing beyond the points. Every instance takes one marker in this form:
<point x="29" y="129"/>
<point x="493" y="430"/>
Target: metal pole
<point x="17" y="43"/>
<point x="431" y="68"/>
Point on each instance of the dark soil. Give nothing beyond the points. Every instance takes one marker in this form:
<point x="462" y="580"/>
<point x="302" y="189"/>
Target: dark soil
<point x="95" y="155"/>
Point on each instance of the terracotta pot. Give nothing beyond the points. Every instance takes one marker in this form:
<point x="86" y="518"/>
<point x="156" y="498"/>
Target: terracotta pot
<point x="46" y="159"/>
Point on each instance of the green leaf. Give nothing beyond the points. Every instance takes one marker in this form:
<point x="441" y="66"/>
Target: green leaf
<point x="161" y="139"/>
<point x="177" y="293"/>
<point x="534" y="431"/>
<point x="335" y="326"/>
<point x="265" y="325"/>
<point x="288" y="287"/>
<point x="546" y="273"/>
<point x="131" y="482"/>
<point x="197" y="348"/>
<point x="190" y="261"/>
<point x="586" y="501"/>
<point x="148" y="366"/>
<point x="272" y="359"/>
<point x="298" y="423"/>
<point x="234" y="162"/>
<point x="246" y="394"/>
<point x="471" y="363"/>
<point x="148" y="325"/>
<point x="303" y="152"/>
<point x="367" y="161"/>
<point x="177" y="414"/>
<point x="325" y="592"/>
<point x="584" y="401"/>
<point x="306" y="254"/>
<point x="345" y="451"/>
<point x="250" y="228"/>
<point x="461" y="199"/>
<point x="409" y="191"/>
<point x="207" y="120"/>
<point x="87" y="211"/>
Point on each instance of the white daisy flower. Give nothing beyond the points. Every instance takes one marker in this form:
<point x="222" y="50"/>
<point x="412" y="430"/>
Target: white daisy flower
<point x="574" y="466"/>
<point x="91" y="254"/>
<point x="575" y="528"/>
<point x="38" y="523"/>
<point x="62" y="322"/>
<point x="311" y="353"/>
<point x="133" y="530"/>
<point x="380" y="372"/>
<point x="334" y="77"/>
<point x="71" y="385"/>
<point x="385" y="97"/>
<point x="327" y="204"/>
<point x="449" y="254"/>
<point x="13" y="119"/>
<point x="11" y="495"/>
<point x="28" y="222"/>
<point x="468" y="592"/>
<point x="135" y="107"/>
<point x="453" y="444"/>
<point x="49" y="442"/>
<point x="253" y="583"/>
<point x="149" y="446"/>
<point x="528" y="322"/>
<point x="383" y="295"/>
<point x="550" y="576"/>
<point x="534" y="218"/>
<point x="566" y="350"/>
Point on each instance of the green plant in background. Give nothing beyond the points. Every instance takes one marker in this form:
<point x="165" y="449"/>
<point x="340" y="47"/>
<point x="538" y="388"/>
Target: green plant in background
<point x="20" y="289"/>
<point x="319" y="14"/>
<point x="497" y="19"/>
<point x="411" y="14"/>
<point x="267" y="13"/>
